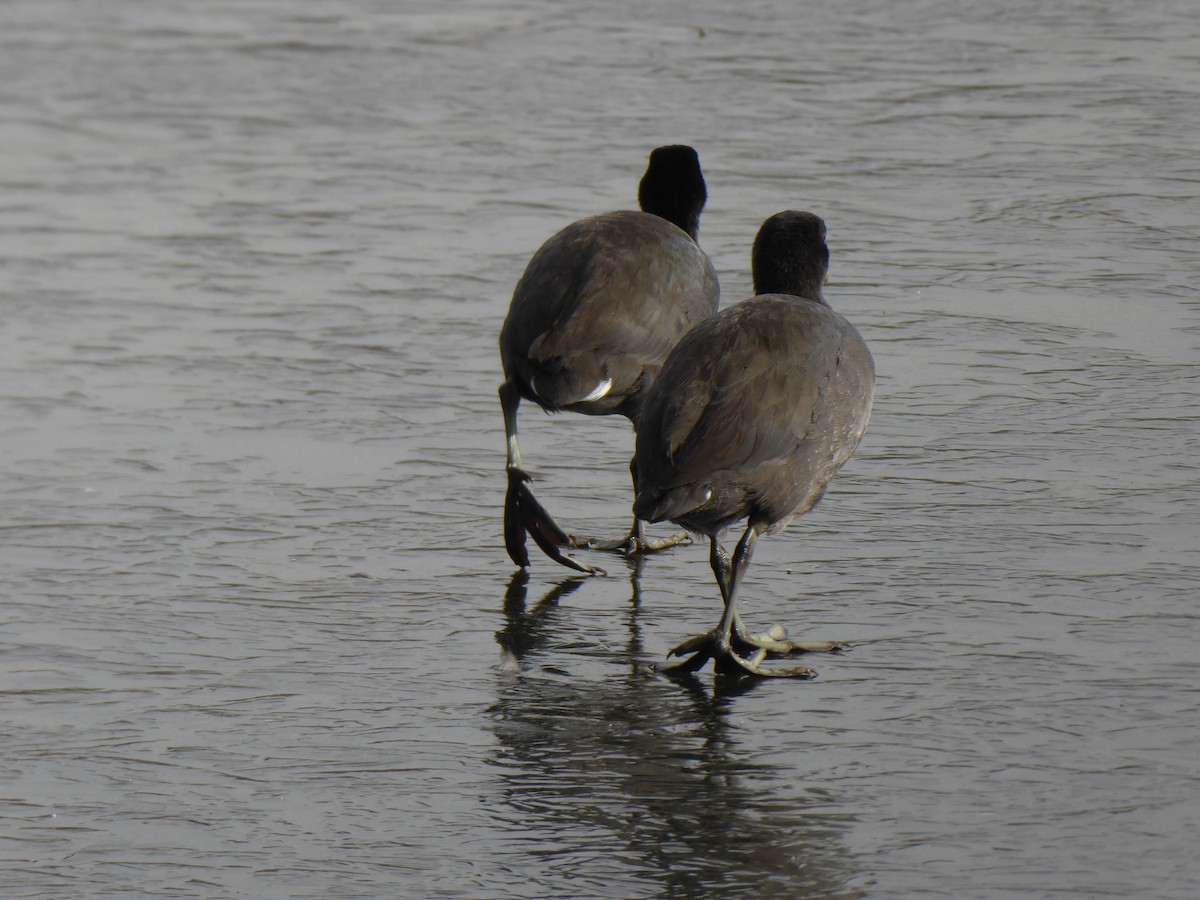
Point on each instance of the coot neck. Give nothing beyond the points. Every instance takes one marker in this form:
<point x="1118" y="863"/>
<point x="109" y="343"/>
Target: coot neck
<point x="676" y="210"/>
<point x="799" y="282"/>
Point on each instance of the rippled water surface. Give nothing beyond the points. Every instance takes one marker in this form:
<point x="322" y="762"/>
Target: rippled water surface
<point x="259" y="634"/>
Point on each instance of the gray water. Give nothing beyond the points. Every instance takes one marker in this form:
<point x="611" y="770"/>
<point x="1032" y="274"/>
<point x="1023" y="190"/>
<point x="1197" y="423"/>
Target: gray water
<point x="259" y="635"/>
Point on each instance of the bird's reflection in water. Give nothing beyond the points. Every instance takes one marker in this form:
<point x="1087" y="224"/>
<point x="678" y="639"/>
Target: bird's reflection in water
<point x="525" y="630"/>
<point x="633" y="784"/>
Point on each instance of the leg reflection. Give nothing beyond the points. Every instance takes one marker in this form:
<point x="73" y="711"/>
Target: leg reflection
<point x="525" y="630"/>
<point x="636" y="776"/>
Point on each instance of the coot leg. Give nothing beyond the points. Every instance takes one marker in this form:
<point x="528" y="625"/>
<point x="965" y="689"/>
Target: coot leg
<point x="523" y="514"/>
<point x="723" y="645"/>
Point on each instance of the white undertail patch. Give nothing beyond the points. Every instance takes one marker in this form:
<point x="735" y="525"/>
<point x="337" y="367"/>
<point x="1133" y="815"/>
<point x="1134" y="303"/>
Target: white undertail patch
<point x="598" y="391"/>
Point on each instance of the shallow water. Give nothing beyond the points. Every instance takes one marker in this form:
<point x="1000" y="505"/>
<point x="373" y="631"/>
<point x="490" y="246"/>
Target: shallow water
<point x="260" y="637"/>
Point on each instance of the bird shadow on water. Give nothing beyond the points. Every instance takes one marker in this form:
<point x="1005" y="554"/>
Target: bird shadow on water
<point x="647" y="785"/>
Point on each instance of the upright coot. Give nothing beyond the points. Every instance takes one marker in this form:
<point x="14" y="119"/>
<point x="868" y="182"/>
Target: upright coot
<point x="752" y="414"/>
<point x="592" y="319"/>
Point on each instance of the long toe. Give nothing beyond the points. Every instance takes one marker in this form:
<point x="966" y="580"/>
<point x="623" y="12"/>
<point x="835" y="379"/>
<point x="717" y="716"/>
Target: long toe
<point x="728" y="662"/>
<point x="590" y="543"/>
<point x="514" y="524"/>
<point x="754" y="666"/>
<point x="631" y="545"/>
<point x="693" y="663"/>
<point x="708" y="641"/>
<point x="552" y="551"/>
<point x="775" y="641"/>
<point x="538" y="524"/>
<point x="698" y="650"/>
<point x="634" y="547"/>
<point x="732" y="663"/>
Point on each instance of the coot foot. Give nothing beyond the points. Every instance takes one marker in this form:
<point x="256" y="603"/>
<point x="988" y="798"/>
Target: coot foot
<point x="728" y="661"/>
<point x="523" y="514"/>
<point x="775" y="641"/>
<point x="636" y="543"/>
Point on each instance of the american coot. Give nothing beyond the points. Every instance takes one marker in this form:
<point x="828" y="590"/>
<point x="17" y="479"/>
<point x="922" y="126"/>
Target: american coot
<point x="592" y="319"/>
<point x="752" y="414"/>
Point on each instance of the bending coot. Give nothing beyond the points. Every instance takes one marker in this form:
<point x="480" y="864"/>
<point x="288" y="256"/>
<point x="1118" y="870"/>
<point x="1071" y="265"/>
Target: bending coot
<point x="752" y="414"/>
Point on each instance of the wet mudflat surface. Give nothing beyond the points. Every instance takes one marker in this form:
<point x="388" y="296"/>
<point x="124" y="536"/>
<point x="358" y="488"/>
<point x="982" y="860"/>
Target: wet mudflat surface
<point x="259" y="636"/>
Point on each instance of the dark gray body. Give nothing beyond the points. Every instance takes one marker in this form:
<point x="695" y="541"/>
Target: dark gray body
<point x="752" y="414"/>
<point x="605" y="298"/>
